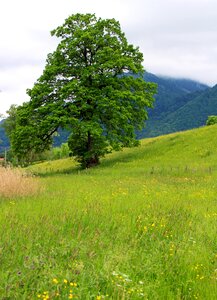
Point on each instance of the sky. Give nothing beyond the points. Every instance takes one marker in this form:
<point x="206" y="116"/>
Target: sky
<point x="178" y="38"/>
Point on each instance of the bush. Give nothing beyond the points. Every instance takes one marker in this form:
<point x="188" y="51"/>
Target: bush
<point x="211" y="120"/>
<point x="52" y="154"/>
<point x="57" y="152"/>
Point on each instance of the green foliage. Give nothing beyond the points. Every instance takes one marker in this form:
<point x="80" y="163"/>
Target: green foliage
<point x="24" y="135"/>
<point x="84" y="89"/>
<point x="6" y="127"/>
<point x="168" y="114"/>
<point x="9" y="123"/>
<point x="211" y="120"/>
<point x="56" y="153"/>
<point x="148" y="233"/>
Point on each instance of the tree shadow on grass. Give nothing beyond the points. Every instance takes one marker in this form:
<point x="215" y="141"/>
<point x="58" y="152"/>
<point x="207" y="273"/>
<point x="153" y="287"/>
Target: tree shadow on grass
<point x="119" y="157"/>
<point x="48" y="172"/>
<point x="137" y="153"/>
<point x="107" y="162"/>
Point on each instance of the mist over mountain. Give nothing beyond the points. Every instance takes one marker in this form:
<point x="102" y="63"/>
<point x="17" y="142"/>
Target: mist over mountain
<point x="173" y="94"/>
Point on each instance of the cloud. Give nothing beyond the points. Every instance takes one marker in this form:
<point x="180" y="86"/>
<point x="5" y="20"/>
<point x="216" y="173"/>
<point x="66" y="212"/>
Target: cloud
<point x="177" y="37"/>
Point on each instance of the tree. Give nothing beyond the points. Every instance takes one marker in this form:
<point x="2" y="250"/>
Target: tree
<point x="10" y="122"/>
<point x="88" y="88"/>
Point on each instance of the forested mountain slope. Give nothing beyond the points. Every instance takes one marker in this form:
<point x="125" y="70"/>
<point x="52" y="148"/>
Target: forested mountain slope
<point x="189" y="111"/>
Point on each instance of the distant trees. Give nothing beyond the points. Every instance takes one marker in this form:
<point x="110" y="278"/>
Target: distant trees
<point x="9" y="124"/>
<point x="211" y="120"/>
<point x="86" y="87"/>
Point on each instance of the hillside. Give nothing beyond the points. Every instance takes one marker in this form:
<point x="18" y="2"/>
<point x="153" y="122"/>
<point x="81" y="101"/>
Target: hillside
<point x="172" y="93"/>
<point x="142" y="225"/>
<point x="196" y="110"/>
<point x="192" y="148"/>
<point x="193" y="113"/>
<point x="4" y="142"/>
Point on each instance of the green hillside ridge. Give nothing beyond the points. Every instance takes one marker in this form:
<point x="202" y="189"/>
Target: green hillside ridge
<point x="142" y="225"/>
<point x="191" y="148"/>
<point x="172" y="93"/>
<point x="192" y="114"/>
<point x="196" y="110"/>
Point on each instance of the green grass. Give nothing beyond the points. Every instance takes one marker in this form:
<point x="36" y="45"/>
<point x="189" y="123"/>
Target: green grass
<point x="142" y="225"/>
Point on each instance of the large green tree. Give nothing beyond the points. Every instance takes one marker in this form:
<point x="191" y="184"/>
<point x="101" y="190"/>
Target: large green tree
<point x="87" y="87"/>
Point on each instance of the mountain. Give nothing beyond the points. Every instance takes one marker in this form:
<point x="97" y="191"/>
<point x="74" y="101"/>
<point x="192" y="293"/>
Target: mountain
<point x="173" y="95"/>
<point x="4" y="142"/>
<point x="192" y="114"/>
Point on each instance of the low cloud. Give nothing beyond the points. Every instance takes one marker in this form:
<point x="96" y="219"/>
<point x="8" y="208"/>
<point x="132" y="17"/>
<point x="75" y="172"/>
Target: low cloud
<point x="177" y="37"/>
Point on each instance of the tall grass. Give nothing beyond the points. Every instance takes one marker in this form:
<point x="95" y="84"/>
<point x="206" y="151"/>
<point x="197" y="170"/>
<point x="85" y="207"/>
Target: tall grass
<point x="139" y="226"/>
<point x="15" y="183"/>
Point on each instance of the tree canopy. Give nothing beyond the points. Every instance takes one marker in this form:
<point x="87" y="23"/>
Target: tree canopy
<point x="92" y="85"/>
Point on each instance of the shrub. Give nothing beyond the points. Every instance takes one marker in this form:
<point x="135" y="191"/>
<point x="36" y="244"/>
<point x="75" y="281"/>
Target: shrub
<point x="211" y="120"/>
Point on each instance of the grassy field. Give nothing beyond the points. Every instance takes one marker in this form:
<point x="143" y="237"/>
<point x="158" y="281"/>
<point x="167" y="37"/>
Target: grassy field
<point x="142" y="225"/>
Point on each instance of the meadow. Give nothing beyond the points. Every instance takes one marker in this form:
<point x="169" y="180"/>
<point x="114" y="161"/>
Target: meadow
<point x="142" y="225"/>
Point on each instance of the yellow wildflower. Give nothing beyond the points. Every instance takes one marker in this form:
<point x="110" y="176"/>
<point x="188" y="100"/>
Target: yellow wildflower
<point x="65" y="281"/>
<point x="73" y="284"/>
<point x="55" y="280"/>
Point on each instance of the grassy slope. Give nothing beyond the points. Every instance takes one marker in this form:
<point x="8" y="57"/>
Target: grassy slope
<point x="142" y="225"/>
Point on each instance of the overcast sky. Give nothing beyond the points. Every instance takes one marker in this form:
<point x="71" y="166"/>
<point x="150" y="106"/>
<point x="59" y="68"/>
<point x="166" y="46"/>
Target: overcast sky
<point x="177" y="37"/>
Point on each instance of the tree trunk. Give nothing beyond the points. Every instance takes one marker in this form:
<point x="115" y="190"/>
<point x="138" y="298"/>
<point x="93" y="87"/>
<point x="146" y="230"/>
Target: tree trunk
<point x="92" y="160"/>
